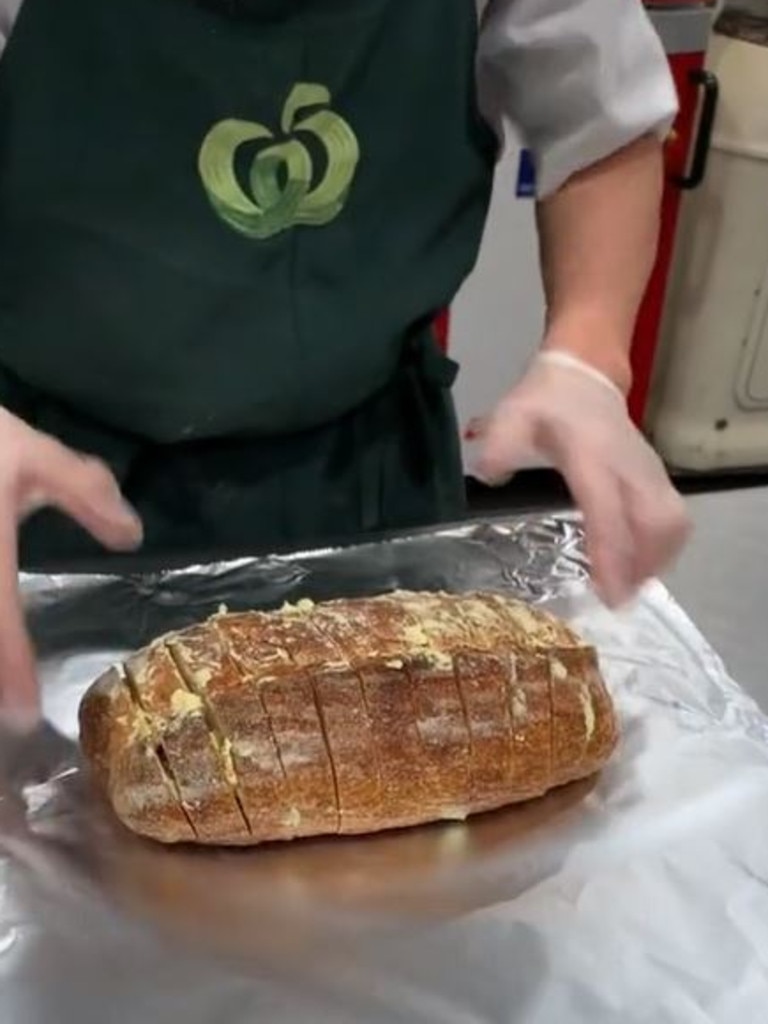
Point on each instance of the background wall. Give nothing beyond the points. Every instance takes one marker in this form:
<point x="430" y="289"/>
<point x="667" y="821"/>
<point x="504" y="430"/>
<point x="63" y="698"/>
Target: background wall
<point x="498" y="316"/>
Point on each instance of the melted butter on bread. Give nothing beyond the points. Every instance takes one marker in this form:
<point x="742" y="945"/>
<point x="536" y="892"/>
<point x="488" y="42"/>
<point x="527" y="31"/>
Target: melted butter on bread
<point x="184" y="702"/>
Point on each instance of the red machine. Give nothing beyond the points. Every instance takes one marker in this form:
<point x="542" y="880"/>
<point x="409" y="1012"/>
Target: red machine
<point x="684" y="29"/>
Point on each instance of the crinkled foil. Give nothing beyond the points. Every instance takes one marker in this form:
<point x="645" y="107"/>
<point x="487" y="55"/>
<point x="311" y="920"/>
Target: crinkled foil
<point x="640" y="897"/>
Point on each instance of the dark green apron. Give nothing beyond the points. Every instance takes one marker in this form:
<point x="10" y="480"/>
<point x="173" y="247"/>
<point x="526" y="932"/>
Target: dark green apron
<point x="225" y="230"/>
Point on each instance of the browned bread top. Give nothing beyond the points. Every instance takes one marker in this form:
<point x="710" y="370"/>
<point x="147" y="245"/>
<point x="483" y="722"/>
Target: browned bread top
<point x="345" y="717"/>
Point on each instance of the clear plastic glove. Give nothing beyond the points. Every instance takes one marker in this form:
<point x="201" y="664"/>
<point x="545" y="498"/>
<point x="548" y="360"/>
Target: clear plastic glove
<point x="566" y="415"/>
<point x="36" y="471"/>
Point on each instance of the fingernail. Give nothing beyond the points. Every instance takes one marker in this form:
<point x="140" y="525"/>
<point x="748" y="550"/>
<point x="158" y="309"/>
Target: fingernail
<point x="489" y="476"/>
<point x="478" y="473"/>
<point x="132" y="539"/>
<point x="127" y="529"/>
<point x="131" y="514"/>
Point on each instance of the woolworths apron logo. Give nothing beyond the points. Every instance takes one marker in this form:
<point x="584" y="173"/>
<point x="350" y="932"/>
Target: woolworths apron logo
<point x="284" y="187"/>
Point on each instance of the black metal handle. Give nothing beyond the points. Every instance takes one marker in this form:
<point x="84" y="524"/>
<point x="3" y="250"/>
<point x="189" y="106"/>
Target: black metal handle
<point x="708" y="82"/>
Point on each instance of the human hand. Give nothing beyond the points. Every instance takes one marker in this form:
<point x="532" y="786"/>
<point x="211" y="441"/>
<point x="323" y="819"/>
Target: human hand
<point x="567" y="415"/>
<point x="37" y="471"/>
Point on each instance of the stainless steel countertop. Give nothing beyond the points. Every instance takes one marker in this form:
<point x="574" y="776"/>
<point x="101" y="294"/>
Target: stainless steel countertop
<point x="722" y="582"/>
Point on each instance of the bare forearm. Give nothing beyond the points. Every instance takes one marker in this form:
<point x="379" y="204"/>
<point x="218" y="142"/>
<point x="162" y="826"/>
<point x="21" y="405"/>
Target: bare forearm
<point x="598" y="238"/>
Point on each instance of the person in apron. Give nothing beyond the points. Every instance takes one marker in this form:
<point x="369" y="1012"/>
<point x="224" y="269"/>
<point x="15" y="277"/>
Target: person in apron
<point x="226" y="230"/>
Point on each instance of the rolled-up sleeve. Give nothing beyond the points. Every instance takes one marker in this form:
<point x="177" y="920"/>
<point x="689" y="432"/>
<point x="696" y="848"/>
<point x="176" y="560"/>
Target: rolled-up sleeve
<point x="579" y="79"/>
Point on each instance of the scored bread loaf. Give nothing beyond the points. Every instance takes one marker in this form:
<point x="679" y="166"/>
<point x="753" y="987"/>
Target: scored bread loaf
<point x="346" y="717"/>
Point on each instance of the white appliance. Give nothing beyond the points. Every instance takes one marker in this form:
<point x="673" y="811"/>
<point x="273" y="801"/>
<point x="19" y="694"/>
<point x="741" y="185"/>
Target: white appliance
<point x="710" y="404"/>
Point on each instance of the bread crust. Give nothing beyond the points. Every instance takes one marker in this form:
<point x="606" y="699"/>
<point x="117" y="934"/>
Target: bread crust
<point x="348" y="717"/>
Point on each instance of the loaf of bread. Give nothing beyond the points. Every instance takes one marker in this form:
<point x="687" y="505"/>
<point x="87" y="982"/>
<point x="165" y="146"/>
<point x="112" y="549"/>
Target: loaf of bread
<point x="347" y="717"/>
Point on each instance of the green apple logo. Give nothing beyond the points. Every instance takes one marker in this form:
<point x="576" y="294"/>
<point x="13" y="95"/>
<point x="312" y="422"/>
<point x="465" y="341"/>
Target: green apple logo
<point x="282" y="191"/>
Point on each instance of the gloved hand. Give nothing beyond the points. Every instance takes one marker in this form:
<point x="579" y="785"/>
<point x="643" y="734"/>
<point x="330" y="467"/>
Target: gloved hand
<point x="567" y="415"/>
<point x="36" y="471"/>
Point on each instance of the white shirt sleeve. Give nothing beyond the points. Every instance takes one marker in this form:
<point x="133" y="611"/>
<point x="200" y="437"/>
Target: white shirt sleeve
<point x="8" y="11"/>
<point x="578" y="78"/>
